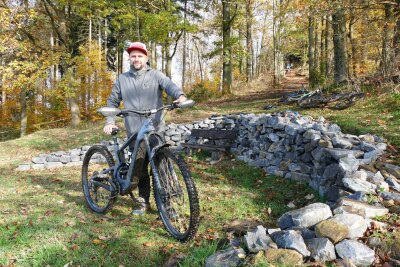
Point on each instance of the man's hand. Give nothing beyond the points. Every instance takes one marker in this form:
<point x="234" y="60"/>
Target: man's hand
<point x="182" y="98"/>
<point x="109" y="127"/>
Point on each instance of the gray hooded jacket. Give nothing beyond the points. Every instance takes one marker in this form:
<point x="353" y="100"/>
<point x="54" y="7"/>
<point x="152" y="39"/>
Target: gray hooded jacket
<point x="141" y="90"/>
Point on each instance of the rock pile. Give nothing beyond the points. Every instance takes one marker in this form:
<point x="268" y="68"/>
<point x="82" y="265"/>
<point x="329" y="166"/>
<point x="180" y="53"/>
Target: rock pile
<point x="313" y="232"/>
<point x="287" y="145"/>
<point x="302" y="149"/>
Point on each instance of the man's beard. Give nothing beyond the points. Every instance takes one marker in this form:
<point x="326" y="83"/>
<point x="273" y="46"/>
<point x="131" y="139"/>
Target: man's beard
<point x="141" y="66"/>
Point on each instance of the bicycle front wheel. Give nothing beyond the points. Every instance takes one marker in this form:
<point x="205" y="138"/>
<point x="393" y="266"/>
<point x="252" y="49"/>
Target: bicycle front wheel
<point x="97" y="184"/>
<point x="177" y="199"/>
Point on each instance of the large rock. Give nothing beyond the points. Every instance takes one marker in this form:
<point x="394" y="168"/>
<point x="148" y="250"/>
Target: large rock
<point x="393" y="170"/>
<point x="305" y="217"/>
<point x="356" y="224"/>
<point x="290" y="239"/>
<point x="349" y="163"/>
<point x="393" y="183"/>
<point x="287" y="257"/>
<point x="359" y="185"/>
<point x="358" y="253"/>
<point x="39" y="160"/>
<point x="332" y="230"/>
<point x="321" y="249"/>
<point x="338" y="153"/>
<point x="357" y="207"/>
<point x="258" y="240"/>
<point x="53" y="165"/>
<point x="341" y="143"/>
<point x="23" y="167"/>
<point x="226" y="258"/>
<point x="390" y="195"/>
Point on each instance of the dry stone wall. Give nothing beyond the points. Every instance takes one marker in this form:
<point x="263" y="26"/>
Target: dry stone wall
<point x="303" y="149"/>
<point x="285" y="144"/>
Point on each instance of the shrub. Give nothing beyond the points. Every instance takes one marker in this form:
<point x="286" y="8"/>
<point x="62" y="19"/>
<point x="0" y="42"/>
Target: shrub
<point x="202" y="91"/>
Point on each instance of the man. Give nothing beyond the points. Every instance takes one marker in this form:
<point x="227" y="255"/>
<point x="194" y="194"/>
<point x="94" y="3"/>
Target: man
<point x="140" y="88"/>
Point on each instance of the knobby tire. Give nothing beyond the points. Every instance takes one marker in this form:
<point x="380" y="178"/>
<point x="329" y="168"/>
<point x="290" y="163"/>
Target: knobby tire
<point x="176" y="186"/>
<point x="90" y="162"/>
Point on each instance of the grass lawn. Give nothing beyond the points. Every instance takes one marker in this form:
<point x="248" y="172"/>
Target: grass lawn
<point x="44" y="219"/>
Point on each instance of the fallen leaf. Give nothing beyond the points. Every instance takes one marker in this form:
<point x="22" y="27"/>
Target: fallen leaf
<point x="75" y="247"/>
<point x="97" y="241"/>
<point x="48" y="212"/>
<point x="169" y="246"/>
<point x="148" y="244"/>
<point x="73" y="237"/>
<point x="126" y="221"/>
<point x="291" y="205"/>
<point x="101" y="237"/>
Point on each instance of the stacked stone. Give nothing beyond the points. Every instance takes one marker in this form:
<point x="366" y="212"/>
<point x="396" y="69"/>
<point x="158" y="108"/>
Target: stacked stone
<point x="287" y="145"/>
<point x="73" y="157"/>
<point x="175" y="135"/>
<point x="312" y="232"/>
<point x="316" y="152"/>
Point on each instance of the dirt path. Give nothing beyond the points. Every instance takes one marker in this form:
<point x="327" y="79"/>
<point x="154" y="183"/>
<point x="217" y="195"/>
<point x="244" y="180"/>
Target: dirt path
<point x="262" y="89"/>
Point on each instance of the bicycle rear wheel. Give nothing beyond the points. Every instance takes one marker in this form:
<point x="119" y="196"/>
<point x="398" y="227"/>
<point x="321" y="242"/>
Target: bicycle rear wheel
<point x="312" y="101"/>
<point x="177" y="200"/>
<point x="349" y="101"/>
<point x="97" y="185"/>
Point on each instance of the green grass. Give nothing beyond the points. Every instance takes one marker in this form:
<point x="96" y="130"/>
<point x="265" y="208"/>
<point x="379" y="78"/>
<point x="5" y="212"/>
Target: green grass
<point x="45" y="220"/>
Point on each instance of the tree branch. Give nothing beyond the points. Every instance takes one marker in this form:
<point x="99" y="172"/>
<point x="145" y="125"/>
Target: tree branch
<point x="53" y="22"/>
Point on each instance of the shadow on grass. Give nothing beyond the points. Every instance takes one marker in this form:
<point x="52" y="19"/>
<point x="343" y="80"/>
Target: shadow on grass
<point x="48" y="223"/>
<point x="269" y="195"/>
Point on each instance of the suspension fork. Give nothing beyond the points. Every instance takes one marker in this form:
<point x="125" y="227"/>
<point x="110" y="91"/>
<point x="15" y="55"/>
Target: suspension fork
<point x="152" y="162"/>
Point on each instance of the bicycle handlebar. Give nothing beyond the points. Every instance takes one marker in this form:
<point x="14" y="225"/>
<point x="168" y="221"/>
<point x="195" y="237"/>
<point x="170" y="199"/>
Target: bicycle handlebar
<point x="110" y="111"/>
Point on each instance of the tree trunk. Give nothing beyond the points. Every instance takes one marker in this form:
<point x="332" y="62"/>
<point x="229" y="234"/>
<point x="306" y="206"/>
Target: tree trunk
<point x="249" y="42"/>
<point x="278" y="57"/>
<point x="396" y="41"/>
<point x="105" y="40"/>
<point x="311" y="51"/>
<point x="24" y="115"/>
<point x="316" y="46"/>
<point x="322" y="48"/>
<point x="199" y="61"/>
<point x="242" y="58"/>
<point x="326" y="50"/>
<point x="339" y="46"/>
<point x="184" y="50"/>
<point x="353" y="50"/>
<point x="386" y="57"/>
<point x="3" y="90"/>
<point x="153" y="55"/>
<point x="226" y="54"/>
<point x="260" y="62"/>
<point x="75" y="113"/>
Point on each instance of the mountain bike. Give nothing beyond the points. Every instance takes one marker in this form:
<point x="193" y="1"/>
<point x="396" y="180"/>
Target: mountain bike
<point x="340" y="100"/>
<point x="104" y="177"/>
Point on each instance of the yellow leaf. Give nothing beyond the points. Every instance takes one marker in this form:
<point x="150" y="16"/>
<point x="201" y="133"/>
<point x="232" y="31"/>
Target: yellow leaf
<point x="148" y="244"/>
<point x="96" y="241"/>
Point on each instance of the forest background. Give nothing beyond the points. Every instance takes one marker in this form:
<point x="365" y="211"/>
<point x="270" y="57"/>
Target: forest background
<point x="59" y="58"/>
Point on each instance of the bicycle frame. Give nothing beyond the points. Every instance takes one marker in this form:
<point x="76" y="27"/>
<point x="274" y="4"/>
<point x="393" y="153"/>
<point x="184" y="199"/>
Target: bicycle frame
<point x="145" y="131"/>
<point x="148" y="129"/>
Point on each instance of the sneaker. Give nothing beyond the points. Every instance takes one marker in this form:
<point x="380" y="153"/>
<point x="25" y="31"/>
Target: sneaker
<point x="140" y="207"/>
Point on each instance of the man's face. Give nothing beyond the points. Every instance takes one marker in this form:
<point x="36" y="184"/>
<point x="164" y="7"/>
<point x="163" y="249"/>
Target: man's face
<point x="138" y="59"/>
